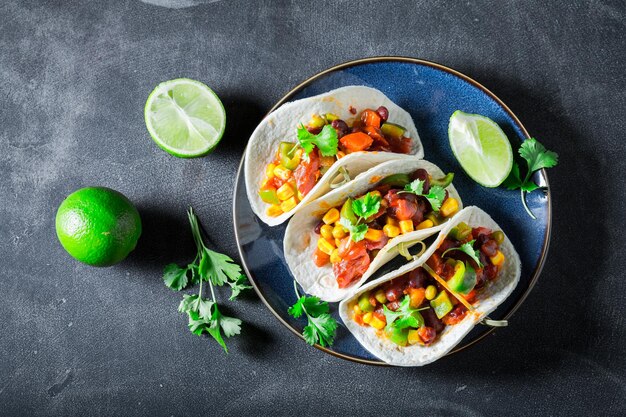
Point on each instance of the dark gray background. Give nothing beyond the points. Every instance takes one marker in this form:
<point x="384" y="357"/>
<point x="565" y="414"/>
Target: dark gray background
<point x="77" y="340"/>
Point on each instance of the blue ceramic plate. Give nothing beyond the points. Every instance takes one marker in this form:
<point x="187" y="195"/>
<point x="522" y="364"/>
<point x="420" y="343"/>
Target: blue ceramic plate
<point x="430" y="93"/>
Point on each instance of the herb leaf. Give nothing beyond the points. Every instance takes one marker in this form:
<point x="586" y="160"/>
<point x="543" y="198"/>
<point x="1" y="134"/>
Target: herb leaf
<point x="321" y="326"/>
<point x="467" y="248"/>
<point x="537" y="156"/>
<point x="404" y="316"/>
<point x="435" y="195"/>
<point x="237" y="286"/>
<point x="357" y="231"/>
<point x="366" y="206"/>
<point x="218" y="268"/>
<point x="175" y="277"/>
<point x="326" y="141"/>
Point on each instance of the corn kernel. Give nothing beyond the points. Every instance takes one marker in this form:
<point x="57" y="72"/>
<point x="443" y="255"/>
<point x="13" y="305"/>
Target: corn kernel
<point x="377" y="323"/>
<point x="357" y="309"/>
<point x="375" y="193"/>
<point x="449" y="207"/>
<point x="391" y="230"/>
<point x="327" y="231"/>
<point x="274" y="210"/>
<point x="367" y="318"/>
<point x="426" y="224"/>
<point x="413" y="337"/>
<point x="431" y="292"/>
<point x="325" y="246"/>
<point x="373" y="235"/>
<point x="392" y="221"/>
<point x="285" y="192"/>
<point x="497" y="259"/>
<point x="337" y="242"/>
<point x="380" y="296"/>
<point x="282" y="172"/>
<point x="406" y="226"/>
<point x="289" y="204"/>
<point x="339" y="232"/>
<point x="334" y="257"/>
<point x="331" y="216"/>
<point x="300" y="196"/>
<point x="269" y="171"/>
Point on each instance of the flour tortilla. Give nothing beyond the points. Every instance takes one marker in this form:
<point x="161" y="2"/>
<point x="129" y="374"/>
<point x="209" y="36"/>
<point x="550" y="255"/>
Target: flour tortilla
<point x="488" y="300"/>
<point x="301" y="240"/>
<point x="281" y="125"/>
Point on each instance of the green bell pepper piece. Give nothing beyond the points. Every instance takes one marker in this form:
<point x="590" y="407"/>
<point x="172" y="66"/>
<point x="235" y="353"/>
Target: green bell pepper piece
<point x="444" y="181"/>
<point x="464" y="279"/>
<point x="364" y="302"/>
<point x="347" y="213"/>
<point x="396" y="180"/>
<point x="441" y="304"/>
<point x="397" y="336"/>
<point x="269" y="196"/>
<point x="286" y="158"/>
<point x="392" y="130"/>
<point x="460" y="232"/>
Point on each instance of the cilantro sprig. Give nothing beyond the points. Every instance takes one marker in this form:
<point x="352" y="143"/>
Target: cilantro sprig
<point x="435" y="196"/>
<point x="326" y="141"/>
<point x="404" y="316"/>
<point x="467" y="248"/>
<point x="363" y="208"/>
<point x="321" y="326"/>
<point x="537" y="157"/>
<point x="216" y="269"/>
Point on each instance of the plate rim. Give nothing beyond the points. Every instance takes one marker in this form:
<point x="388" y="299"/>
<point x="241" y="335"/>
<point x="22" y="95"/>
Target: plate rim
<point x="389" y="58"/>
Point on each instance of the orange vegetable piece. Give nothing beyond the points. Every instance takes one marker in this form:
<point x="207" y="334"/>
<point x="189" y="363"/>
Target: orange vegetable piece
<point x="355" y="142"/>
<point x="370" y="118"/>
<point x="320" y="258"/>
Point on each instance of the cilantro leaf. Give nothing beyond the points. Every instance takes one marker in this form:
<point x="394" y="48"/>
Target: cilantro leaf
<point x="188" y="303"/>
<point x="537" y="156"/>
<point x="218" y="268"/>
<point x="435" y="195"/>
<point x="230" y="325"/>
<point x="320" y="330"/>
<point x="513" y="181"/>
<point x="467" y="248"/>
<point x="357" y="232"/>
<point x="404" y="316"/>
<point x="175" y="277"/>
<point x="326" y="141"/>
<point x="366" y="206"/>
<point x="321" y="326"/>
<point x="311" y="305"/>
<point x="237" y="286"/>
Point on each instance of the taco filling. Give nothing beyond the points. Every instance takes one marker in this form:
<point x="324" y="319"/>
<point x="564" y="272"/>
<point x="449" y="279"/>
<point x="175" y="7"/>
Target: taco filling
<point x="297" y="166"/>
<point x="352" y="234"/>
<point x="416" y="307"/>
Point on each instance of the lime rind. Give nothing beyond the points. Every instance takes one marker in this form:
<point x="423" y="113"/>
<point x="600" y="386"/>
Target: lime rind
<point x="481" y="147"/>
<point x="185" y="118"/>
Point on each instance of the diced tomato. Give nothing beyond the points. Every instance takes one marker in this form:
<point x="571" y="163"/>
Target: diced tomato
<point x="354" y="262"/>
<point x="471" y="297"/>
<point x="369" y="117"/>
<point x="359" y="319"/>
<point x="307" y="173"/>
<point x="355" y="142"/>
<point x="401" y="206"/>
<point x="320" y="258"/>
<point x="427" y="334"/>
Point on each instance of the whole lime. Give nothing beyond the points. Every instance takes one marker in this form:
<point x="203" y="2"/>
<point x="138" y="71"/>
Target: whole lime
<point x="98" y="226"/>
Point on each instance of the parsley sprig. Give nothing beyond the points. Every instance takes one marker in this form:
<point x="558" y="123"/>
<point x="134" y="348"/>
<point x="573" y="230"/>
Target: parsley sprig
<point x="216" y="269"/>
<point x="435" y="196"/>
<point x="537" y="157"/>
<point x="326" y="141"/>
<point x="363" y="208"/>
<point x="404" y="316"/>
<point x="467" y="248"/>
<point x="321" y="327"/>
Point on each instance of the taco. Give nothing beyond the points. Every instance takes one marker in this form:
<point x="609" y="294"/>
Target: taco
<point x="304" y="147"/>
<point x="418" y="313"/>
<point x="336" y="242"/>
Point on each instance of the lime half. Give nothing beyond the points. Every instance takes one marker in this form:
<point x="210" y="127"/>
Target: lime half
<point x="185" y="117"/>
<point x="481" y="147"/>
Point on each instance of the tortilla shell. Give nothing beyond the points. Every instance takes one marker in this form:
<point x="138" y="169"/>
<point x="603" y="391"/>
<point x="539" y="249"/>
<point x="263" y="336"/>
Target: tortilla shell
<point x="281" y="125"/>
<point x="488" y="300"/>
<point x="300" y="238"/>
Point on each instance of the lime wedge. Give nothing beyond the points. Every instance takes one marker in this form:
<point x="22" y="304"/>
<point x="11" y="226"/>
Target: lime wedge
<point x="481" y="148"/>
<point x="185" y="117"/>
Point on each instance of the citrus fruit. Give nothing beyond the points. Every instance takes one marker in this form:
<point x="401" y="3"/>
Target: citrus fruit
<point x="481" y="147"/>
<point x="98" y="226"/>
<point x="185" y="117"/>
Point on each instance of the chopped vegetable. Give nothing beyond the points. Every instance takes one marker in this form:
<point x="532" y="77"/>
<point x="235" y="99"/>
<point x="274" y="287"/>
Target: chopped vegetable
<point x="441" y="304"/>
<point x="464" y="279"/>
<point x="269" y="196"/>
<point x="443" y="182"/>
<point x="396" y="180"/>
<point x="393" y="130"/>
<point x="444" y="284"/>
<point x="355" y="142"/>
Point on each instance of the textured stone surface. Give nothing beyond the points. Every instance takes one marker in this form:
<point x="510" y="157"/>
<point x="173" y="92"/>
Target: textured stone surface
<point x="77" y="340"/>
